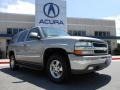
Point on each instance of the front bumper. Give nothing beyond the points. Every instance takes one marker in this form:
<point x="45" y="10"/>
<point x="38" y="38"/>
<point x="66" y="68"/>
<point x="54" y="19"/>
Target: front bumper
<point x="83" y="64"/>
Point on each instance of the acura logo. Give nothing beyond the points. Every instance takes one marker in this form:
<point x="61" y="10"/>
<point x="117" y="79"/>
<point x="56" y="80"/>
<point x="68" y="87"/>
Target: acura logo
<point x="51" y="10"/>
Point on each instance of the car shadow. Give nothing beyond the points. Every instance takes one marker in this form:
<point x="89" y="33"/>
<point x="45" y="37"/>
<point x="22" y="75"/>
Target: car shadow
<point x="77" y="82"/>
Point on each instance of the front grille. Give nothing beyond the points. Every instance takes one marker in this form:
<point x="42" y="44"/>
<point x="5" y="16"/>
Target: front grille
<point x="100" y="48"/>
<point x="100" y="51"/>
<point x="99" y="45"/>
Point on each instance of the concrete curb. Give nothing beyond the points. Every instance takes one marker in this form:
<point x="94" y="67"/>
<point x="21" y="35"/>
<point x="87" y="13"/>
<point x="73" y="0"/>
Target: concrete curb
<point x="115" y="58"/>
<point x="4" y="61"/>
<point x="8" y="61"/>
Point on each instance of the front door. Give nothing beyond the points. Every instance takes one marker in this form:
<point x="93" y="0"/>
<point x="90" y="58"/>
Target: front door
<point x="33" y="48"/>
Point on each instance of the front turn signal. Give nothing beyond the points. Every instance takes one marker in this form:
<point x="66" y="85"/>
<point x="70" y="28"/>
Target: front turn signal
<point x="78" y="52"/>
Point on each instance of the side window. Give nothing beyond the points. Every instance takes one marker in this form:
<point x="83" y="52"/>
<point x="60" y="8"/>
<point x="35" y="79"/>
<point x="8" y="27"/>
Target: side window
<point x="22" y="36"/>
<point x="36" y="30"/>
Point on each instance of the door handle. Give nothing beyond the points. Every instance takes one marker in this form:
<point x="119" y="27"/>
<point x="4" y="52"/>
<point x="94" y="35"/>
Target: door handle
<point x="26" y="45"/>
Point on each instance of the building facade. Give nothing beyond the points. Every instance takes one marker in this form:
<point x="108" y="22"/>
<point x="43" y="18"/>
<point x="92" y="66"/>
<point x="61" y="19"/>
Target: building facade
<point x="10" y="24"/>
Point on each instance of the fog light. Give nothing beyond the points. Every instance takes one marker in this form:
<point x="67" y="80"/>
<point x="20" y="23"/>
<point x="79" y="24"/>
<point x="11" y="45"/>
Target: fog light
<point x="90" y="68"/>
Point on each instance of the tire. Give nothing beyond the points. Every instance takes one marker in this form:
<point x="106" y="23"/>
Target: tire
<point x="13" y="65"/>
<point x="58" y="69"/>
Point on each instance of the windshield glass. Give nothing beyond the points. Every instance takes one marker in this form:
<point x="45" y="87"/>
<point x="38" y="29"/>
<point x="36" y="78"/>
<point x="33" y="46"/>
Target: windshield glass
<point x="53" y="32"/>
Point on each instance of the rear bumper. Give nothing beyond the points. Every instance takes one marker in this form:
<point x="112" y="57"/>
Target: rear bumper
<point x="83" y="64"/>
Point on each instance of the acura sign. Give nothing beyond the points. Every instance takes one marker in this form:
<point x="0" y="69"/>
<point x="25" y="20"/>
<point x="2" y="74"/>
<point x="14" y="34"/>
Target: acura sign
<point x="51" y="13"/>
<point x="51" y="10"/>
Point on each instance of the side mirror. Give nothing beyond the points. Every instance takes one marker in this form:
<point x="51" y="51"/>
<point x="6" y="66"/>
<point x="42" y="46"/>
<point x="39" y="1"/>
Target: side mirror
<point x="34" y="35"/>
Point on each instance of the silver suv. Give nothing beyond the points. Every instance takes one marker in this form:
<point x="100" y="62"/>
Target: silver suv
<point x="58" y="53"/>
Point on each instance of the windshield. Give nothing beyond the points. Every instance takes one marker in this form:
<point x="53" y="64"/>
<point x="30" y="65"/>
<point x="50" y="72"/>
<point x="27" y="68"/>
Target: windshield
<point x="53" y="32"/>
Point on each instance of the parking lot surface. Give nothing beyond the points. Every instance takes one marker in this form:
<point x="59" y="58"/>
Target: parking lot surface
<point x="26" y="79"/>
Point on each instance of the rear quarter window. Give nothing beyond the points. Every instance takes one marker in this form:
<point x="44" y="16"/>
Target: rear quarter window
<point x="14" y="38"/>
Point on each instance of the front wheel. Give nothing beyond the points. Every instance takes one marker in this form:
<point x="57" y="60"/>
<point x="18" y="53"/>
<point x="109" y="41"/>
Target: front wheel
<point x="13" y="65"/>
<point x="58" y="68"/>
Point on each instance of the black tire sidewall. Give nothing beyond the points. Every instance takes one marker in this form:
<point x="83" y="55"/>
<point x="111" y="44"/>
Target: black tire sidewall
<point x="15" y="66"/>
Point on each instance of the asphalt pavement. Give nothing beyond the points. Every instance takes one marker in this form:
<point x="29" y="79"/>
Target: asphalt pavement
<point x="26" y="79"/>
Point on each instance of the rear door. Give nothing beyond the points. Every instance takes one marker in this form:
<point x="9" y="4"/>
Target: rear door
<point x="19" y="47"/>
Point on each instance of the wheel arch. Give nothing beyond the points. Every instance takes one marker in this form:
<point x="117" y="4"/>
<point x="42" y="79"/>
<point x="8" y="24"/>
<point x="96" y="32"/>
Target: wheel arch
<point x="50" y="51"/>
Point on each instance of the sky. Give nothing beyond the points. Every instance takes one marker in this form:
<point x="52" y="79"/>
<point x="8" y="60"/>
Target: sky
<point x="96" y="9"/>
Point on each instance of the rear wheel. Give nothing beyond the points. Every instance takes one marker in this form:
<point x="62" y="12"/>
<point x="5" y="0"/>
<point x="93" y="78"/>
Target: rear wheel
<point x="13" y="65"/>
<point x="58" y="68"/>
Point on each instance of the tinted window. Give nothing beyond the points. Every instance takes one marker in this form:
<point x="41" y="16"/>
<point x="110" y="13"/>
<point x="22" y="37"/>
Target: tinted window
<point x="22" y="36"/>
<point x="75" y="33"/>
<point x="102" y="34"/>
<point x="36" y="30"/>
<point x="15" y="31"/>
<point x="15" y="37"/>
<point x="9" y="31"/>
<point x="70" y="32"/>
<point x="81" y="33"/>
<point x="20" y="29"/>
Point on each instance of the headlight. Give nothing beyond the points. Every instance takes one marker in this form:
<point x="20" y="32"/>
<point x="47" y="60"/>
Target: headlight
<point x="83" y="44"/>
<point x="83" y="48"/>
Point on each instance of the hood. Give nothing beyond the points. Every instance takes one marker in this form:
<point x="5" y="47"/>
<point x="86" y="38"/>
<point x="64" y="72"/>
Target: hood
<point x="76" y="38"/>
